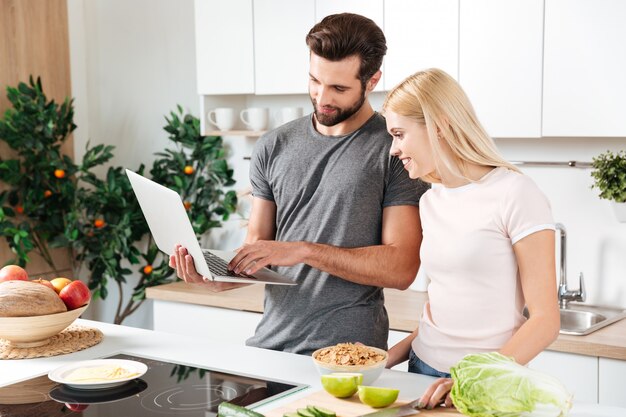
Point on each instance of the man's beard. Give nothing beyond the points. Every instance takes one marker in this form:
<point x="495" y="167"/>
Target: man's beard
<point x="339" y="115"/>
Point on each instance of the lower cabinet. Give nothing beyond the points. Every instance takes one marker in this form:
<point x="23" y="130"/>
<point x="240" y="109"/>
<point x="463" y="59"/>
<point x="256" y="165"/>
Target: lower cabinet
<point x="229" y="326"/>
<point x="577" y="372"/>
<point x="612" y="388"/>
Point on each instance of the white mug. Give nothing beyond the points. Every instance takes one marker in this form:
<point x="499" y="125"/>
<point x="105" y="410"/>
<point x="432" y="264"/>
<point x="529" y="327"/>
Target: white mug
<point x="255" y="118"/>
<point x="222" y="117"/>
<point x="288" y="114"/>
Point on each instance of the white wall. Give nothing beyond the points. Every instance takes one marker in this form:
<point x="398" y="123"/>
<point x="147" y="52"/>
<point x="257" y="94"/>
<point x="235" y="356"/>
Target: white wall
<point x="133" y="61"/>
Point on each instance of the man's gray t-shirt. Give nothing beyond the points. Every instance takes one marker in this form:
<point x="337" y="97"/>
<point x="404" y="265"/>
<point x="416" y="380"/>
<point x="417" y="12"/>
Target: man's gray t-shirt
<point x="330" y="190"/>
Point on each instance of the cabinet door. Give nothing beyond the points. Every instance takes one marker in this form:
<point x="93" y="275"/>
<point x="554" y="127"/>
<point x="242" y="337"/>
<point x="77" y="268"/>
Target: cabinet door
<point x="224" y="47"/>
<point x="612" y="390"/>
<point x="372" y="9"/>
<point x="420" y="34"/>
<point x="225" y="325"/>
<point x="584" y="68"/>
<point x="577" y="372"/>
<point x="500" y="64"/>
<point x="281" y="57"/>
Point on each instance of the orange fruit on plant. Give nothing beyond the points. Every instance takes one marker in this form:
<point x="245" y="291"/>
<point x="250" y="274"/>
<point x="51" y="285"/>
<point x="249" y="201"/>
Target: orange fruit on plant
<point x="188" y="170"/>
<point x="59" y="173"/>
<point x="147" y="269"/>
<point x="98" y="223"/>
<point x="187" y="205"/>
<point x="19" y="209"/>
<point x="60" y="283"/>
<point x="47" y="193"/>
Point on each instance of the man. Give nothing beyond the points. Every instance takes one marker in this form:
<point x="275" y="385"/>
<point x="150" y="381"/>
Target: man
<point x="330" y="207"/>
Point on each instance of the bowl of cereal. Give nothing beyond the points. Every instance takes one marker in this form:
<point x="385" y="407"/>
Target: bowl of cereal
<point x="351" y="358"/>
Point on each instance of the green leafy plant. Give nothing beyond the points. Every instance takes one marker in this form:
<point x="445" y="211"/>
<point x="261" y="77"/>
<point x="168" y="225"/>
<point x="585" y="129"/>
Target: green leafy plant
<point x="40" y="182"/>
<point x="52" y="202"/>
<point x="121" y="243"/>
<point x="609" y="173"/>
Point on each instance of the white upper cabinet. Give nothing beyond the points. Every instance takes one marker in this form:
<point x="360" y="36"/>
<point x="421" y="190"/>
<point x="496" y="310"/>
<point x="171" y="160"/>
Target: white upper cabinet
<point x="372" y="9"/>
<point x="420" y="34"/>
<point x="585" y="68"/>
<point x="281" y="57"/>
<point x="500" y="64"/>
<point x="224" y="47"/>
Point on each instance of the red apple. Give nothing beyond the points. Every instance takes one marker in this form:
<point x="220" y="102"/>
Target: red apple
<point x="13" y="272"/>
<point x="44" y="282"/>
<point x="75" y="294"/>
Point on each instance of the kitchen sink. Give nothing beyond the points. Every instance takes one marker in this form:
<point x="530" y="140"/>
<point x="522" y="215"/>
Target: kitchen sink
<point x="582" y="319"/>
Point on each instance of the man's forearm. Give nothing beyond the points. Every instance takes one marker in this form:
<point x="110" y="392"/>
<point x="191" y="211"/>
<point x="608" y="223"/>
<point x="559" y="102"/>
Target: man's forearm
<point x="383" y="265"/>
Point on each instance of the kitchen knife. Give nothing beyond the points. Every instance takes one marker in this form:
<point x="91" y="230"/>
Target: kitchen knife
<point x="403" y="410"/>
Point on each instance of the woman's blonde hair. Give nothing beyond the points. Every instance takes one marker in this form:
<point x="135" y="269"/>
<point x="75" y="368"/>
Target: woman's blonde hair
<point x="434" y="98"/>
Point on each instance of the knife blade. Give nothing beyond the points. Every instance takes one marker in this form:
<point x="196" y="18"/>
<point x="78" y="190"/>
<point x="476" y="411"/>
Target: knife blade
<point x="401" y="411"/>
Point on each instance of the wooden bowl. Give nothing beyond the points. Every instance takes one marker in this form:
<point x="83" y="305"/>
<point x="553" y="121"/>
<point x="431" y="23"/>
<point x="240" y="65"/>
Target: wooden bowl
<point x="36" y="331"/>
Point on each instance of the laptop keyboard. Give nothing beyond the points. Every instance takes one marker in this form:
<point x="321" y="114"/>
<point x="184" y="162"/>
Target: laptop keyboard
<point x="219" y="267"/>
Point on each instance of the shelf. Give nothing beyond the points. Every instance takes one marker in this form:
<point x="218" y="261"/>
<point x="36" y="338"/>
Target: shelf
<point x="247" y="133"/>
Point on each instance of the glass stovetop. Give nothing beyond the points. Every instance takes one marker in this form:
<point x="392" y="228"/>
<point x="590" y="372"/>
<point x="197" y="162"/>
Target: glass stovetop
<point x="166" y="389"/>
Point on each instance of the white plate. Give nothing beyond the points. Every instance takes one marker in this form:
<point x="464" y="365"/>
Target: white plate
<point x="60" y="374"/>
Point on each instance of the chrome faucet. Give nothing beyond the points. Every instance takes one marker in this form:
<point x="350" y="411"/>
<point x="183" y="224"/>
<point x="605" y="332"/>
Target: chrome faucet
<point x="565" y="295"/>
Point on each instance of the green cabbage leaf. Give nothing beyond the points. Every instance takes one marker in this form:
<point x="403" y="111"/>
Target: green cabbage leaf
<point x="493" y="385"/>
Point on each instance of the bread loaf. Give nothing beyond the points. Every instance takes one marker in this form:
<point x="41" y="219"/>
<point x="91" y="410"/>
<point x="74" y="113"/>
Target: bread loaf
<point x="25" y="298"/>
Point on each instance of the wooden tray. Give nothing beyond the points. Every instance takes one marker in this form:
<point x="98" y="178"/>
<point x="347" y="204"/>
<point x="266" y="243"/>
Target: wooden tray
<point x="349" y="407"/>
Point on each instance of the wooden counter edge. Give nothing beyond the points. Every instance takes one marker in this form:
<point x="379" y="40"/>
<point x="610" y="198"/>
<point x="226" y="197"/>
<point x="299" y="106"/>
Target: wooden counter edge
<point x="402" y="307"/>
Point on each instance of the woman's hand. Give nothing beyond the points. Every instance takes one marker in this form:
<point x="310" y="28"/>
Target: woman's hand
<point x="437" y="393"/>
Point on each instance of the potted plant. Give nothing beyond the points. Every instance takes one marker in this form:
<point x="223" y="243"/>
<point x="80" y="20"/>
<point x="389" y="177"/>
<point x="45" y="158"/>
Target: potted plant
<point x="609" y="173"/>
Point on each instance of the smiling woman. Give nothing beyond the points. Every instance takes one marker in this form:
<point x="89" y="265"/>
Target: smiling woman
<point x="488" y="233"/>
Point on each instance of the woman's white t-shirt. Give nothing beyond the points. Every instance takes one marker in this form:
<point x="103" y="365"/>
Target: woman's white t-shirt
<point x="475" y="296"/>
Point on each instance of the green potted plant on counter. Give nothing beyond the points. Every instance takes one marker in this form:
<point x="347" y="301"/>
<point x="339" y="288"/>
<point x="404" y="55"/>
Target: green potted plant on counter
<point x="609" y="173"/>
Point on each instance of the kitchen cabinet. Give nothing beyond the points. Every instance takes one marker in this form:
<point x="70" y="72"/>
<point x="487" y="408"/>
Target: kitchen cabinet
<point x="372" y="9"/>
<point x="578" y="373"/>
<point x="224" y="47"/>
<point x="420" y="34"/>
<point x="612" y="390"/>
<point x="214" y="323"/>
<point x="500" y="64"/>
<point x="281" y="57"/>
<point x="584" y="68"/>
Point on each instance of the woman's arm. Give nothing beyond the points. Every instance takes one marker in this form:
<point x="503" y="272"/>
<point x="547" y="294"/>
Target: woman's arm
<point x="400" y="351"/>
<point x="536" y="263"/>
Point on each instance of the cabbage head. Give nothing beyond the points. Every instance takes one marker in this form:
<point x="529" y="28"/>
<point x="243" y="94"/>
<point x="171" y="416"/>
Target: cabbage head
<point x="493" y="385"/>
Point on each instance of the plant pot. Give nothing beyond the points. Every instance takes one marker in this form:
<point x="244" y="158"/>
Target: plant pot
<point x="620" y="211"/>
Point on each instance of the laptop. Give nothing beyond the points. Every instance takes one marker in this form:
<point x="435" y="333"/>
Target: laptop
<point x="167" y="219"/>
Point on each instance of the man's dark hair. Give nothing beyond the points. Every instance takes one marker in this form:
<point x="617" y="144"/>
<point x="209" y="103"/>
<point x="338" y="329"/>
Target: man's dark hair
<point x="340" y="36"/>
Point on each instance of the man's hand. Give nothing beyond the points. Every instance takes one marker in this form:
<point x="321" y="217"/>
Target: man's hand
<point x="186" y="270"/>
<point x="254" y="256"/>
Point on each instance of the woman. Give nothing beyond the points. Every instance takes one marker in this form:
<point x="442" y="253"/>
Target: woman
<point x="488" y="237"/>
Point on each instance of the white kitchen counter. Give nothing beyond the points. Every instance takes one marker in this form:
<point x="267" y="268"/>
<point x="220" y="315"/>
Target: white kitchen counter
<point x="210" y="353"/>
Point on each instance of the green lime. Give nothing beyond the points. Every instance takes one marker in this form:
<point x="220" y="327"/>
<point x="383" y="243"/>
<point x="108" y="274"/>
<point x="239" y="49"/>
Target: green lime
<point x="340" y="385"/>
<point x="377" y="396"/>
<point x="358" y="376"/>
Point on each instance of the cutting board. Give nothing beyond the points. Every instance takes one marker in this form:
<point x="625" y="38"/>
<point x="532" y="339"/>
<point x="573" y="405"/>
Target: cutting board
<point x="349" y="407"/>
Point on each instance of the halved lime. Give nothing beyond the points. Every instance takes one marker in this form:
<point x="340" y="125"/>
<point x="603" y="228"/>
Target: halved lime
<point x="359" y="376"/>
<point x="340" y="385"/>
<point x="377" y="396"/>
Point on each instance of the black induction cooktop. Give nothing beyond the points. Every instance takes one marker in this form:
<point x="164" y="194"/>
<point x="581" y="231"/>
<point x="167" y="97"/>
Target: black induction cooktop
<point x="166" y="389"/>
